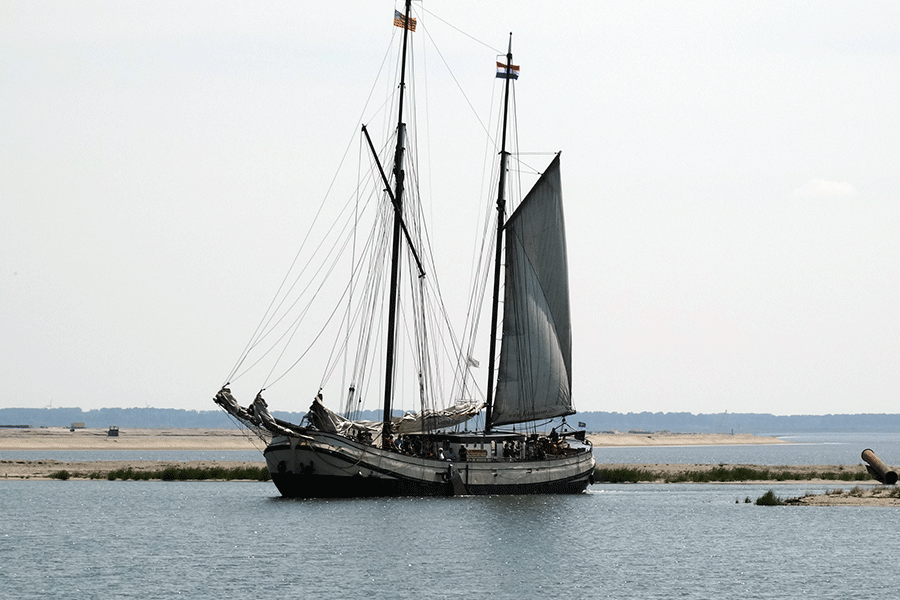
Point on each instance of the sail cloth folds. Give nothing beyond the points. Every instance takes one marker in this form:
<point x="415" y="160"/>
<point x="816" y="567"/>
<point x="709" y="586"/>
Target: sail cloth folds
<point x="535" y="370"/>
<point x="256" y="415"/>
<point x="324" y="419"/>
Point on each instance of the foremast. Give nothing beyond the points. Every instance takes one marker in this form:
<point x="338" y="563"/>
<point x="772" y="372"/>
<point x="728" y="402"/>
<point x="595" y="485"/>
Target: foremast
<point x="498" y="254"/>
<point x="399" y="175"/>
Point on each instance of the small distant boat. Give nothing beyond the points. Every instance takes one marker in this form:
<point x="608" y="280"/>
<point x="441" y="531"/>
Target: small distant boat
<point x="425" y="453"/>
<point x="113" y="431"/>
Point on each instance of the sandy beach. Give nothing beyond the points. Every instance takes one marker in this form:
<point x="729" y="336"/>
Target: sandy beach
<point x="61" y="438"/>
<point x="233" y="439"/>
<point x="666" y="438"/>
<point x="881" y="495"/>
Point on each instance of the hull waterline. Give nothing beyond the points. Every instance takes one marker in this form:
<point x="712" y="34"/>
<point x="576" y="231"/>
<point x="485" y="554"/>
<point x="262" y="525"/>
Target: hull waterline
<point x="329" y="466"/>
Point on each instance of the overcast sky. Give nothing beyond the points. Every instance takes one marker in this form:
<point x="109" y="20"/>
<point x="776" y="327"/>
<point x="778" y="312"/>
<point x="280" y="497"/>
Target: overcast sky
<point x="731" y="173"/>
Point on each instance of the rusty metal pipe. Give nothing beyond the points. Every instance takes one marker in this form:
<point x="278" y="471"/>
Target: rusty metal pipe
<point x="878" y="469"/>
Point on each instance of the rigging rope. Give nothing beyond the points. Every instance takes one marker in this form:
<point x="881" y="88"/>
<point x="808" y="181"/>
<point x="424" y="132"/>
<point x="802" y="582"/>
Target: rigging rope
<point x="473" y="38"/>
<point x="432" y="336"/>
<point x="253" y="338"/>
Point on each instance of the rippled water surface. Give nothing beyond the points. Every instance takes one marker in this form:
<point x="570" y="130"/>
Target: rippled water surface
<point x="230" y="540"/>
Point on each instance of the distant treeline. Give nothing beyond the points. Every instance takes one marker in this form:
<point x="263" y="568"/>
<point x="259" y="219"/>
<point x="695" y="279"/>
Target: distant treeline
<point x="594" y="421"/>
<point x="144" y="418"/>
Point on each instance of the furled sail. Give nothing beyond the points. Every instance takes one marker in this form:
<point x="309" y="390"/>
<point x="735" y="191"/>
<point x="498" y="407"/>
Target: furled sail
<point x="256" y="415"/>
<point x="535" y="371"/>
<point x="430" y="420"/>
<point x="324" y="419"/>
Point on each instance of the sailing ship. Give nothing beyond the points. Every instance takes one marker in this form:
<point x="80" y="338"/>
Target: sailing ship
<point x="431" y="451"/>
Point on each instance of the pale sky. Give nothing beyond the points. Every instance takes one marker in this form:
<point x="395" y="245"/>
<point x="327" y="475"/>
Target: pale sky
<point x="731" y="173"/>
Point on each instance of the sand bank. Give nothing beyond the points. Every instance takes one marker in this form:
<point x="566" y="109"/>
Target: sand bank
<point x="12" y="469"/>
<point x="666" y="438"/>
<point x="855" y="496"/>
<point x="43" y="469"/>
<point x="795" y="473"/>
<point x="841" y="494"/>
<point x="60" y="438"/>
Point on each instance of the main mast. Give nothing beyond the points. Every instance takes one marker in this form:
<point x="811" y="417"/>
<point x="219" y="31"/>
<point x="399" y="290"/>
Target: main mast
<point x="498" y="255"/>
<point x="395" y="248"/>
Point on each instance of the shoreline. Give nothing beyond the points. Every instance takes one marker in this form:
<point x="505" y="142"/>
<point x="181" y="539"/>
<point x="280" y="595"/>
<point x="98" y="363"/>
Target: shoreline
<point x="61" y="438"/>
<point x="42" y="469"/>
<point x="860" y="493"/>
<point x="668" y="438"/>
<point x="880" y="495"/>
<point x="175" y="439"/>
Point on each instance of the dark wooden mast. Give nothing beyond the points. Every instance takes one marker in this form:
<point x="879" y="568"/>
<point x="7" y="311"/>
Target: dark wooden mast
<point x="395" y="249"/>
<point x="498" y="255"/>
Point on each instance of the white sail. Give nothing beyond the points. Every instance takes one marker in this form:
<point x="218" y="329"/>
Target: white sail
<point x="535" y="371"/>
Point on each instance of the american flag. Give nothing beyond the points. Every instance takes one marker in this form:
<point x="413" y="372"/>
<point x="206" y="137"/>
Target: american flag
<point x="400" y="21"/>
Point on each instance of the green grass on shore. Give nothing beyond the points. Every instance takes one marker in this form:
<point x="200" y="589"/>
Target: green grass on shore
<point x="175" y="474"/>
<point x="769" y="499"/>
<point x="720" y="474"/>
<point x="601" y="475"/>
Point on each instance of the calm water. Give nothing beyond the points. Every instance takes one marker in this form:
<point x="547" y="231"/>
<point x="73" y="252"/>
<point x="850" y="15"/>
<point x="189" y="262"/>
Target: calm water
<point x="101" y="539"/>
<point x="808" y="449"/>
